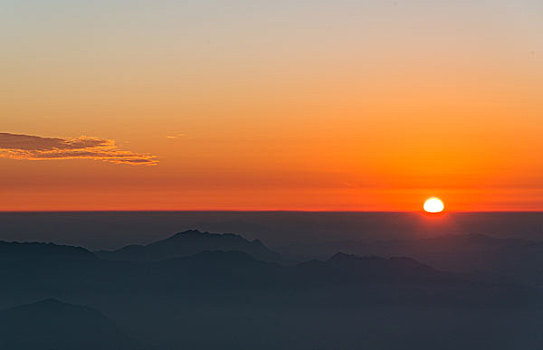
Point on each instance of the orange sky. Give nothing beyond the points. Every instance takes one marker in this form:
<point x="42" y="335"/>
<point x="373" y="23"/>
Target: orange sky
<point x="259" y="106"/>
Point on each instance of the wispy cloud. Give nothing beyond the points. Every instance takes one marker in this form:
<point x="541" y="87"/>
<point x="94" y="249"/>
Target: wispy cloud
<point x="176" y="136"/>
<point x="29" y="147"/>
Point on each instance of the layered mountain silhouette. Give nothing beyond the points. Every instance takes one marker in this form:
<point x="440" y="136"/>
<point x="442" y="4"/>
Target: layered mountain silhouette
<point x="203" y="291"/>
<point x="190" y="243"/>
<point x="162" y="267"/>
<point x="174" y="293"/>
<point x="53" y="325"/>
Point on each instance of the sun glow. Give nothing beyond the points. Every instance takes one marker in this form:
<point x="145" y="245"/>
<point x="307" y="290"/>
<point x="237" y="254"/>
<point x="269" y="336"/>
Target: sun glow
<point x="433" y="205"/>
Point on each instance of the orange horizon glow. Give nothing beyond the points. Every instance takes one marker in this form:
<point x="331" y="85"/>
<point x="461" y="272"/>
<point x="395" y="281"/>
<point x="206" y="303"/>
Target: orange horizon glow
<point x="160" y="201"/>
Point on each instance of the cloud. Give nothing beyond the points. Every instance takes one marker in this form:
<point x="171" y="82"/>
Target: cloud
<point x="29" y="147"/>
<point x="176" y="136"/>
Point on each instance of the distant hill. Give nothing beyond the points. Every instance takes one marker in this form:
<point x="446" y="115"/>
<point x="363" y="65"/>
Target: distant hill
<point x="34" y="250"/>
<point x="54" y="325"/>
<point x="190" y="243"/>
<point x="351" y="269"/>
<point x="503" y="258"/>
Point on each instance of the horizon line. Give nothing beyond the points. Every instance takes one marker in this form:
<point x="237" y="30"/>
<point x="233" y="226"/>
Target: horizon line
<point x="268" y="211"/>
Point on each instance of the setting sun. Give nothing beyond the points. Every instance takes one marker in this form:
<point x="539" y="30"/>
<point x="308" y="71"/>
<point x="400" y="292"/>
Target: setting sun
<point x="433" y="205"/>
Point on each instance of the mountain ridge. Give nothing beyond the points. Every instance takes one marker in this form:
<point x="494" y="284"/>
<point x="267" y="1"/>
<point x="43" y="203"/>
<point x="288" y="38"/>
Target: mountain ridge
<point x="189" y="243"/>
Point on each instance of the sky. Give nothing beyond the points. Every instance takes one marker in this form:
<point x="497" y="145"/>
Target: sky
<point x="271" y="105"/>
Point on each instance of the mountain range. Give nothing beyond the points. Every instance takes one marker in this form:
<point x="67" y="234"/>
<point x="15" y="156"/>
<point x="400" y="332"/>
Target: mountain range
<point x="175" y="292"/>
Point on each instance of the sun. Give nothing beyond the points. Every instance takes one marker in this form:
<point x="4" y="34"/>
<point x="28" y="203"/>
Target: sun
<point x="433" y="205"/>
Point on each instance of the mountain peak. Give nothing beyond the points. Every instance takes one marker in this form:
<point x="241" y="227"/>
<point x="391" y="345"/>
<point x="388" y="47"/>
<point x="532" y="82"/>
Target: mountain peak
<point x="199" y="235"/>
<point x="341" y="255"/>
<point x="190" y="232"/>
<point x="192" y="242"/>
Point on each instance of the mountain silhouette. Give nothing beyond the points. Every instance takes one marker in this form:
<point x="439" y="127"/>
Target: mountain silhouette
<point x="502" y="259"/>
<point x="161" y="267"/>
<point x="53" y="325"/>
<point x="190" y="243"/>
<point x="351" y="269"/>
<point x="512" y="259"/>
<point x="177" y="302"/>
<point x="34" y="250"/>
